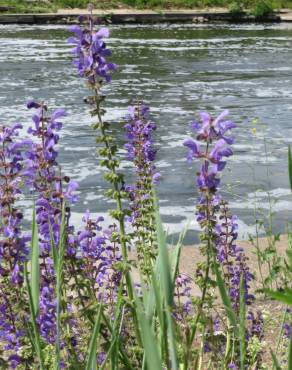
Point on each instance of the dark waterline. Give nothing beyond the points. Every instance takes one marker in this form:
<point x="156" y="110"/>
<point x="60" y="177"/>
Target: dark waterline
<point x="179" y="70"/>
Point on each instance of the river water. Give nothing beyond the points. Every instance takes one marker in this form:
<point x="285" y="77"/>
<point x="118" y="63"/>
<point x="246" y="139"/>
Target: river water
<point x="179" y="70"/>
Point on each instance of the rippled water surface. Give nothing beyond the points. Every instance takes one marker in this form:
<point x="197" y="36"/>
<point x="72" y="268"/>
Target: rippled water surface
<point x="179" y="70"/>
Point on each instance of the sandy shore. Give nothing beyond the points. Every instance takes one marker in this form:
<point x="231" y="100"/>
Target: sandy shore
<point x="191" y="256"/>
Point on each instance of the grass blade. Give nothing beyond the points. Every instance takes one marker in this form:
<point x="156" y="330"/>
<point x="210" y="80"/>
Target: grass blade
<point x="242" y="315"/>
<point x="276" y="364"/>
<point x="123" y="356"/>
<point x="35" y="266"/>
<point x="59" y="282"/>
<point x="54" y="248"/>
<point x="226" y="300"/>
<point x="172" y="341"/>
<point x="285" y="296"/>
<point x="175" y="256"/>
<point x="164" y="266"/>
<point x="36" y="335"/>
<point x="91" y="357"/>
<point x="149" y="341"/>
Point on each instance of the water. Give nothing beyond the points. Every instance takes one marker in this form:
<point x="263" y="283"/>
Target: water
<point x="179" y="70"/>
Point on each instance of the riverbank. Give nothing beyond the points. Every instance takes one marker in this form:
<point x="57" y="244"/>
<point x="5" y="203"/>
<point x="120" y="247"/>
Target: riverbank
<point x="191" y="256"/>
<point x="271" y="310"/>
<point x="48" y="6"/>
<point x="126" y="16"/>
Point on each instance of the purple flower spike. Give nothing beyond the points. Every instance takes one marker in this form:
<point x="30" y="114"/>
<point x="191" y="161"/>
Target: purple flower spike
<point x="213" y="214"/>
<point x="42" y="175"/>
<point x="139" y="130"/>
<point x="90" y="53"/>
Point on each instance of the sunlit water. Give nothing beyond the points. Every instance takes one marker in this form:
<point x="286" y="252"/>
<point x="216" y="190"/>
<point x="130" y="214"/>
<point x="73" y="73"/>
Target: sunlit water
<point x="179" y="70"/>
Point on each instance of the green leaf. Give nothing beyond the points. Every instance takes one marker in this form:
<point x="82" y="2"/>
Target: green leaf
<point x="59" y="282"/>
<point x="35" y="266"/>
<point x="149" y="341"/>
<point x="123" y="356"/>
<point x="289" y="255"/>
<point x="36" y="336"/>
<point x="164" y="266"/>
<point x="242" y="314"/>
<point x="172" y="340"/>
<point x="226" y="300"/>
<point x="175" y="256"/>
<point x="116" y="332"/>
<point x="276" y="364"/>
<point x="285" y="296"/>
<point x="53" y="248"/>
<point x="91" y="357"/>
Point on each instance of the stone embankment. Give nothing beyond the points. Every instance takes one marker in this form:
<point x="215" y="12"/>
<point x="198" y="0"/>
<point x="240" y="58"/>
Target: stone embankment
<point x="130" y="16"/>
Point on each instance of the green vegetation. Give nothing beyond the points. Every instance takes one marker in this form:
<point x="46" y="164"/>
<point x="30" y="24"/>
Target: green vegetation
<point x="257" y="7"/>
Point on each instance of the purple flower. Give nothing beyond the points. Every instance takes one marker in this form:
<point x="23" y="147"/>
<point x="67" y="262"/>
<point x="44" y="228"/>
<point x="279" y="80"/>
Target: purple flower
<point x="90" y="52"/>
<point x="43" y="177"/>
<point x="219" y="226"/>
<point x="139" y="130"/>
<point x="99" y="253"/>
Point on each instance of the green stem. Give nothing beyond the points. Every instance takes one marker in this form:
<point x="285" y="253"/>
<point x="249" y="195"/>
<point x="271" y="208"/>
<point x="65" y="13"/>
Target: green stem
<point x="121" y="224"/>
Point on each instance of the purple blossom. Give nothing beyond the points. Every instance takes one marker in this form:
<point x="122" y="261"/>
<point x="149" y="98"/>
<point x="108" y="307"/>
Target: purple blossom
<point x="182" y="293"/>
<point x="139" y="130"/>
<point x="13" y="243"/>
<point x="51" y="191"/>
<point x="212" y="146"/>
<point x="99" y="252"/>
<point x="90" y="52"/>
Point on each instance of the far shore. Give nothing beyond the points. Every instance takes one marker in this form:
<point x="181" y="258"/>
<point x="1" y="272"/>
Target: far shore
<point x="134" y="16"/>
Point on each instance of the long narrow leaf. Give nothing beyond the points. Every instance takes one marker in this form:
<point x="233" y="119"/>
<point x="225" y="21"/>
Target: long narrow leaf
<point x="172" y="341"/>
<point x="36" y="335"/>
<point x="285" y="296"/>
<point x="59" y="281"/>
<point x="91" y="358"/>
<point x="276" y="364"/>
<point x="116" y="333"/>
<point x="149" y="341"/>
<point x="166" y="281"/>
<point x="54" y="248"/>
<point x="226" y="301"/>
<point x="175" y="256"/>
<point x="35" y="266"/>
<point x="174" y="262"/>
<point x="123" y="355"/>
<point x="242" y="314"/>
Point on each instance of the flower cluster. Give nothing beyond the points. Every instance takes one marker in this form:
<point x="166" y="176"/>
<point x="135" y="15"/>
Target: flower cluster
<point x="13" y="250"/>
<point x="90" y="53"/>
<point x="182" y="294"/>
<point x="139" y="129"/>
<point x="232" y="257"/>
<point x="13" y="243"/>
<point x="99" y="253"/>
<point x="212" y="146"/>
<point x="47" y="183"/>
<point x="213" y="214"/>
<point x="44" y="176"/>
